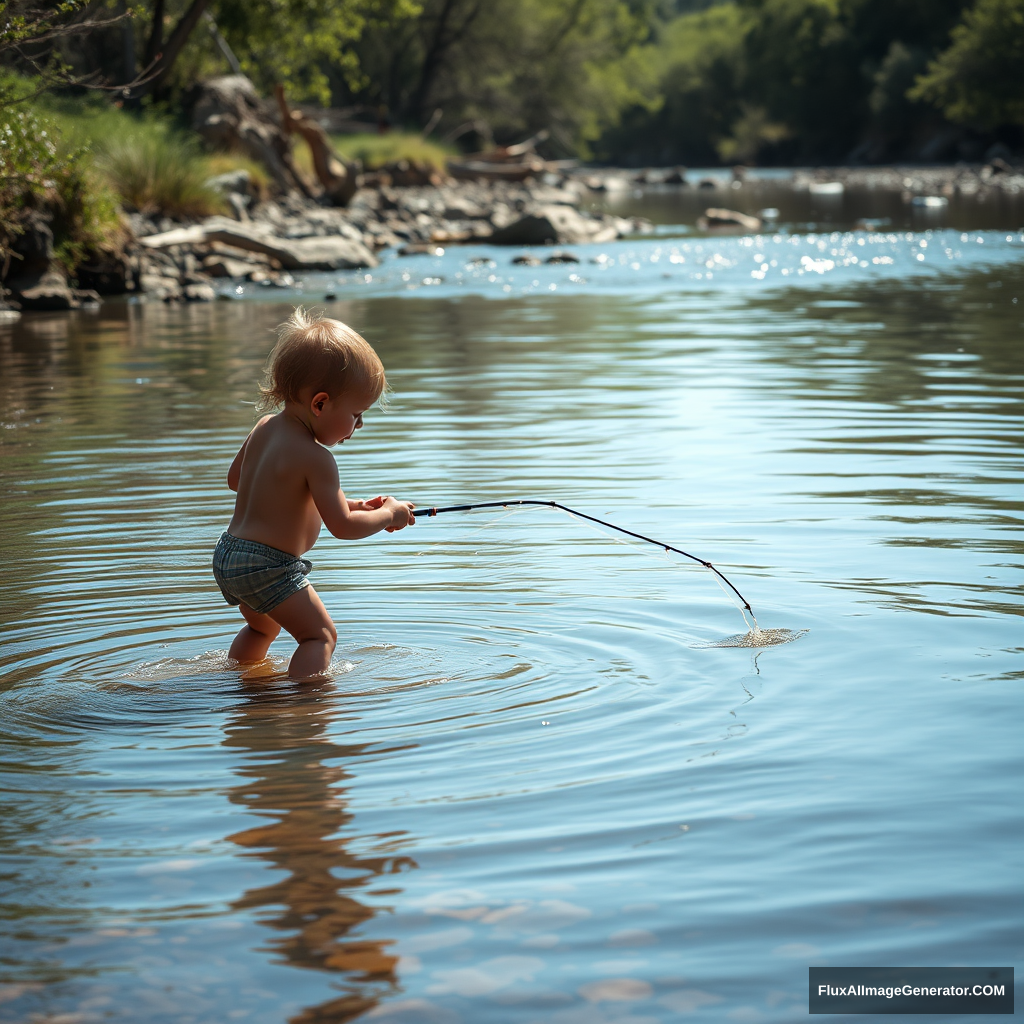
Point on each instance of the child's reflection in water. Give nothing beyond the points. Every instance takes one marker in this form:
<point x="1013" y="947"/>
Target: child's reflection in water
<point x="284" y="731"/>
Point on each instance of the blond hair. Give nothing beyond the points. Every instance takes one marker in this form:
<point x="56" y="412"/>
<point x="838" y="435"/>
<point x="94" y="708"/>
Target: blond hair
<point x="314" y="351"/>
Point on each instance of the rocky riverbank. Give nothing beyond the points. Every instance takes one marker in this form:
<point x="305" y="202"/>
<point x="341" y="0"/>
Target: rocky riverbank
<point x="274" y="241"/>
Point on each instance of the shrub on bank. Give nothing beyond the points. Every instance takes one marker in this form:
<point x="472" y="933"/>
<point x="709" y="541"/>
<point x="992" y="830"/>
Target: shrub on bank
<point x="157" y="172"/>
<point x="40" y="172"/>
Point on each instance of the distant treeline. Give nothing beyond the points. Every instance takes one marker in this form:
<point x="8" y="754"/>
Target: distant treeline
<point x="624" y="81"/>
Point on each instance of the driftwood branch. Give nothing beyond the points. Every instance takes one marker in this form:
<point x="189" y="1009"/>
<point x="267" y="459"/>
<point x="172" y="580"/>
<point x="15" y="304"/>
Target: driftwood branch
<point x="335" y="174"/>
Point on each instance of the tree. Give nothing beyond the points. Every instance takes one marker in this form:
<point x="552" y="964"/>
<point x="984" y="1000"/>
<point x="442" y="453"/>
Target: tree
<point x="511" y="66"/>
<point x="979" y="79"/>
<point x="30" y="38"/>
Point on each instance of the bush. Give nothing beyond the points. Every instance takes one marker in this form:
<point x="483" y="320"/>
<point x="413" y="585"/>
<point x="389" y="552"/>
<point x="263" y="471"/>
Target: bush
<point x="38" y="170"/>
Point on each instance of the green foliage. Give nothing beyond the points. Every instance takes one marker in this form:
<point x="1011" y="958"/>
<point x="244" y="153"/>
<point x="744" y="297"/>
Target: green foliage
<point x="39" y="171"/>
<point x="294" y="41"/>
<point x="793" y="80"/>
<point x="979" y="79"/>
<point x="23" y="27"/>
<point x="513" y="66"/>
<point x="698" y="63"/>
<point x="751" y="132"/>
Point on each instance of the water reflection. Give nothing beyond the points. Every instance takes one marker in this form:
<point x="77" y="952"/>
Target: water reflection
<point x="295" y="780"/>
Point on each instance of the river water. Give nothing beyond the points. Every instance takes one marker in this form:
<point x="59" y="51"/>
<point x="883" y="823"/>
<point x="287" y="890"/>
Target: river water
<point x="531" y="792"/>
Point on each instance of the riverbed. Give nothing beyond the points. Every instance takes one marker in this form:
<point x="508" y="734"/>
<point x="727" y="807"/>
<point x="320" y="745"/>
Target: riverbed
<point x="531" y="791"/>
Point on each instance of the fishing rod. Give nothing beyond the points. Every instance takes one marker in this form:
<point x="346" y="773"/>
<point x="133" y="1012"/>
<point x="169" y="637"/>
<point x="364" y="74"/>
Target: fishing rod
<point x="431" y="512"/>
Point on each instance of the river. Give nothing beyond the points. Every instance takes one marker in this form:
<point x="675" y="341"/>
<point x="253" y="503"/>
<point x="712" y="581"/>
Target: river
<point x="531" y="792"/>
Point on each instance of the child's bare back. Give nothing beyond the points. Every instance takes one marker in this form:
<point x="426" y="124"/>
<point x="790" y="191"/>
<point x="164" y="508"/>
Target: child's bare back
<point x="326" y="376"/>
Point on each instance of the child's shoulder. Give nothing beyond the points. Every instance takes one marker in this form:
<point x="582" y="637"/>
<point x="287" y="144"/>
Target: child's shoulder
<point x="285" y="434"/>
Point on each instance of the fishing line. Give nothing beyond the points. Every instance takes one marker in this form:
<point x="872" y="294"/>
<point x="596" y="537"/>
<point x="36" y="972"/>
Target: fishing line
<point x="754" y="637"/>
<point x="434" y="511"/>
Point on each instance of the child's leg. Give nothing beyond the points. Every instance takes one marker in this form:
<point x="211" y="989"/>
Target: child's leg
<point x="254" y="638"/>
<point x="306" y="618"/>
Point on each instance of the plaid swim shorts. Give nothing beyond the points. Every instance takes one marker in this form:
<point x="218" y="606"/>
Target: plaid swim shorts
<point x="254" y="574"/>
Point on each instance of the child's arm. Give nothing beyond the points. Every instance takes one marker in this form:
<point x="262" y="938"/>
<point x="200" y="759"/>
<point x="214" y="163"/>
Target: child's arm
<point x="360" y="518"/>
<point x="235" y="469"/>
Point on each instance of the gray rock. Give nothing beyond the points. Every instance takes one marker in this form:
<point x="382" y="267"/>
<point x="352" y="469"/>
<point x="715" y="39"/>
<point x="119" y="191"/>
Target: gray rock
<point x="327" y="253"/>
<point x="42" y="290"/>
<point x="106" y="273"/>
<point x="33" y="248"/>
<point x="199" y="293"/>
<point x="160" y="287"/>
<point x="239" y="182"/>
<point x="225" y="266"/>
<point x="549" y="224"/>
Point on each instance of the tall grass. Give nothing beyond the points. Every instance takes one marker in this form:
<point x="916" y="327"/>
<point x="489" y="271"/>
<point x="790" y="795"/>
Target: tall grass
<point x="159" y="172"/>
<point x="150" y="166"/>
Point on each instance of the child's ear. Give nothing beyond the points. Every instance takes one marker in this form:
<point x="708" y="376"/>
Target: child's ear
<point x="317" y="402"/>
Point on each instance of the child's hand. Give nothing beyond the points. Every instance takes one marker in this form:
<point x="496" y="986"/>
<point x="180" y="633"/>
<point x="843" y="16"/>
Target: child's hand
<point x="401" y="512"/>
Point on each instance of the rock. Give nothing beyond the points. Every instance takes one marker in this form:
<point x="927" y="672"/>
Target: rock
<point x="8" y="316"/>
<point x="199" y="293"/>
<point x="549" y="224"/>
<point x="320" y="253"/>
<point x="414" y="172"/>
<point x="729" y="219"/>
<point x="707" y="183"/>
<point x="86" y="296"/>
<point x="826" y="188"/>
<point x="677" y="176"/>
<point x="32" y="249"/>
<point x="526" y="260"/>
<point x="43" y="290"/>
<point x="243" y="255"/>
<point x="224" y="266"/>
<point x="159" y="287"/>
<point x="239" y="182"/>
<point x="562" y="257"/>
<point x="106" y="273"/>
<point x="193" y="235"/>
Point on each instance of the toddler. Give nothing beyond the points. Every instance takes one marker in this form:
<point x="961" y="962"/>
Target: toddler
<point x="325" y="376"/>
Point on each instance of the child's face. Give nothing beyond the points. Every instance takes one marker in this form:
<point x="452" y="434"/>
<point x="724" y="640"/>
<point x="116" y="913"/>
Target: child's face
<point x="337" y="419"/>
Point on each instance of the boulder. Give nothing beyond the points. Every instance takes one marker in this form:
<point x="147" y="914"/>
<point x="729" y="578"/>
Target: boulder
<point x="105" y="273"/>
<point x="32" y="249"/>
<point x="225" y="266"/>
<point x="329" y="252"/>
<point x="42" y="290"/>
<point x="165" y="288"/>
<point x="322" y="252"/>
<point x="550" y="224"/>
<point x="197" y="292"/>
